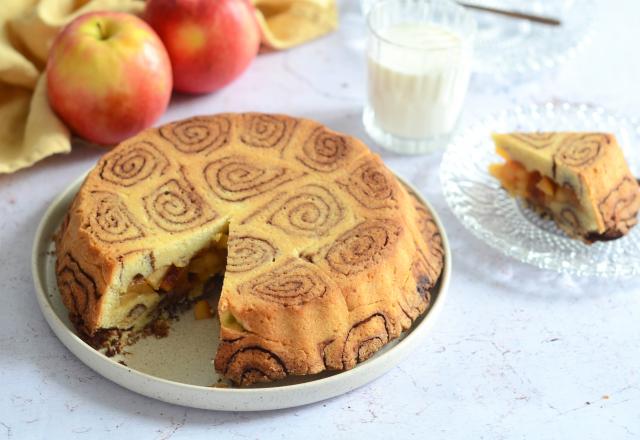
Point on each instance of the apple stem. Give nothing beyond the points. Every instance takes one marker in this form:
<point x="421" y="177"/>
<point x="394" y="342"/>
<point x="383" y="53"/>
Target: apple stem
<point x="103" y="35"/>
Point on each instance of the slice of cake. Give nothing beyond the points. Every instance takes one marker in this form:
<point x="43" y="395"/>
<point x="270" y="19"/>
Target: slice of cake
<point x="580" y="180"/>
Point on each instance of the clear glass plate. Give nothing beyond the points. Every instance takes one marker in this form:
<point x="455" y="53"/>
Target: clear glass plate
<point x="507" y="47"/>
<point x="483" y="207"/>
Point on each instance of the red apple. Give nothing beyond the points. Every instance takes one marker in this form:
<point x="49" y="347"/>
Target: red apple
<point x="210" y="42"/>
<point x="108" y="76"/>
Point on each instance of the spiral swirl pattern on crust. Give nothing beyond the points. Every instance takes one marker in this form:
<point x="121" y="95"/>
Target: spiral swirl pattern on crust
<point x="364" y="339"/>
<point x="254" y="364"/>
<point x="291" y="284"/>
<point x="363" y="246"/>
<point x="581" y="150"/>
<point x="238" y="178"/>
<point x="111" y="221"/>
<point x="431" y="235"/>
<point x="538" y="141"/>
<point x="371" y="186"/>
<point x="247" y="253"/>
<point x="266" y="131"/>
<point x="76" y="284"/>
<point x="310" y="211"/>
<point x="196" y="135"/>
<point x="416" y="297"/>
<point x="619" y="209"/>
<point x="175" y="206"/>
<point x="568" y="217"/>
<point x="324" y="150"/>
<point x="425" y="276"/>
<point x="132" y="164"/>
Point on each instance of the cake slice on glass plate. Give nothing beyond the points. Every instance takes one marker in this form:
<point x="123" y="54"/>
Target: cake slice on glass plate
<point x="580" y="180"/>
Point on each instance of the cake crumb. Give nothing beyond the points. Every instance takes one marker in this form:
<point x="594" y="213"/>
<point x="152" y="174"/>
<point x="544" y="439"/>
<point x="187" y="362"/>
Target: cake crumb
<point x="158" y="328"/>
<point x="221" y="383"/>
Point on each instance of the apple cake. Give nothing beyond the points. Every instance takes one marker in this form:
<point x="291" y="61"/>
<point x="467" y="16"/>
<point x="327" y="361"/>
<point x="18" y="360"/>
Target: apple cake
<point x="326" y="257"/>
<point x="580" y="180"/>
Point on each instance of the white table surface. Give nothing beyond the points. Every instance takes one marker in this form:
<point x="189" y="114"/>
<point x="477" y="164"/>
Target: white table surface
<point x="517" y="352"/>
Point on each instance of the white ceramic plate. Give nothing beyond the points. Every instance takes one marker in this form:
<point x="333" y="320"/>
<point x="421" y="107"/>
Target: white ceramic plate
<point x="477" y="199"/>
<point x="177" y="369"/>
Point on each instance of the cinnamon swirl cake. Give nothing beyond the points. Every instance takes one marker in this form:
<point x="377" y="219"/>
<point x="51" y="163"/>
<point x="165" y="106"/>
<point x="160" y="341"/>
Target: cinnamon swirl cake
<point x="326" y="257"/>
<point x="580" y="180"/>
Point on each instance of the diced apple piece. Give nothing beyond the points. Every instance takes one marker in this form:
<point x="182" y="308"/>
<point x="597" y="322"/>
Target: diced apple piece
<point x="565" y="195"/>
<point x="503" y="154"/>
<point x="509" y="172"/>
<point x="173" y="277"/>
<point x="202" y="310"/>
<point x="496" y="170"/>
<point x="207" y="264"/>
<point x="222" y="242"/>
<point x="156" y="277"/>
<point x="547" y="186"/>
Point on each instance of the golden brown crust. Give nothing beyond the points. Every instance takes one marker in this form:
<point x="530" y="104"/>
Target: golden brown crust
<point x="329" y="257"/>
<point x="175" y="206"/>
<point x="363" y="247"/>
<point x="266" y="131"/>
<point x="198" y="135"/>
<point x="619" y="208"/>
<point x="237" y="178"/>
<point x="246" y="252"/>
<point x="371" y="185"/>
<point x="326" y="151"/>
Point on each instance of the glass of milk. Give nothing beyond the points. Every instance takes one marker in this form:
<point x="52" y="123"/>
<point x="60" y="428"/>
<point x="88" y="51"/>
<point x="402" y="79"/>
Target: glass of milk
<point x="419" y="63"/>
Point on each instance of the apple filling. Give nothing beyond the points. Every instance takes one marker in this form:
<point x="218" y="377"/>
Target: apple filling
<point x="541" y="191"/>
<point x="174" y="284"/>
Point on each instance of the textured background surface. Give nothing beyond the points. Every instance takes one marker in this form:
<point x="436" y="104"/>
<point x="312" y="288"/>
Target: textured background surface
<point x="517" y="352"/>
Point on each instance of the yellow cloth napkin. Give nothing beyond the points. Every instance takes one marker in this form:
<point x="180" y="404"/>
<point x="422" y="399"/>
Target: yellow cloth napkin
<point x="30" y="130"/>
<point x="287" y="23"/>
